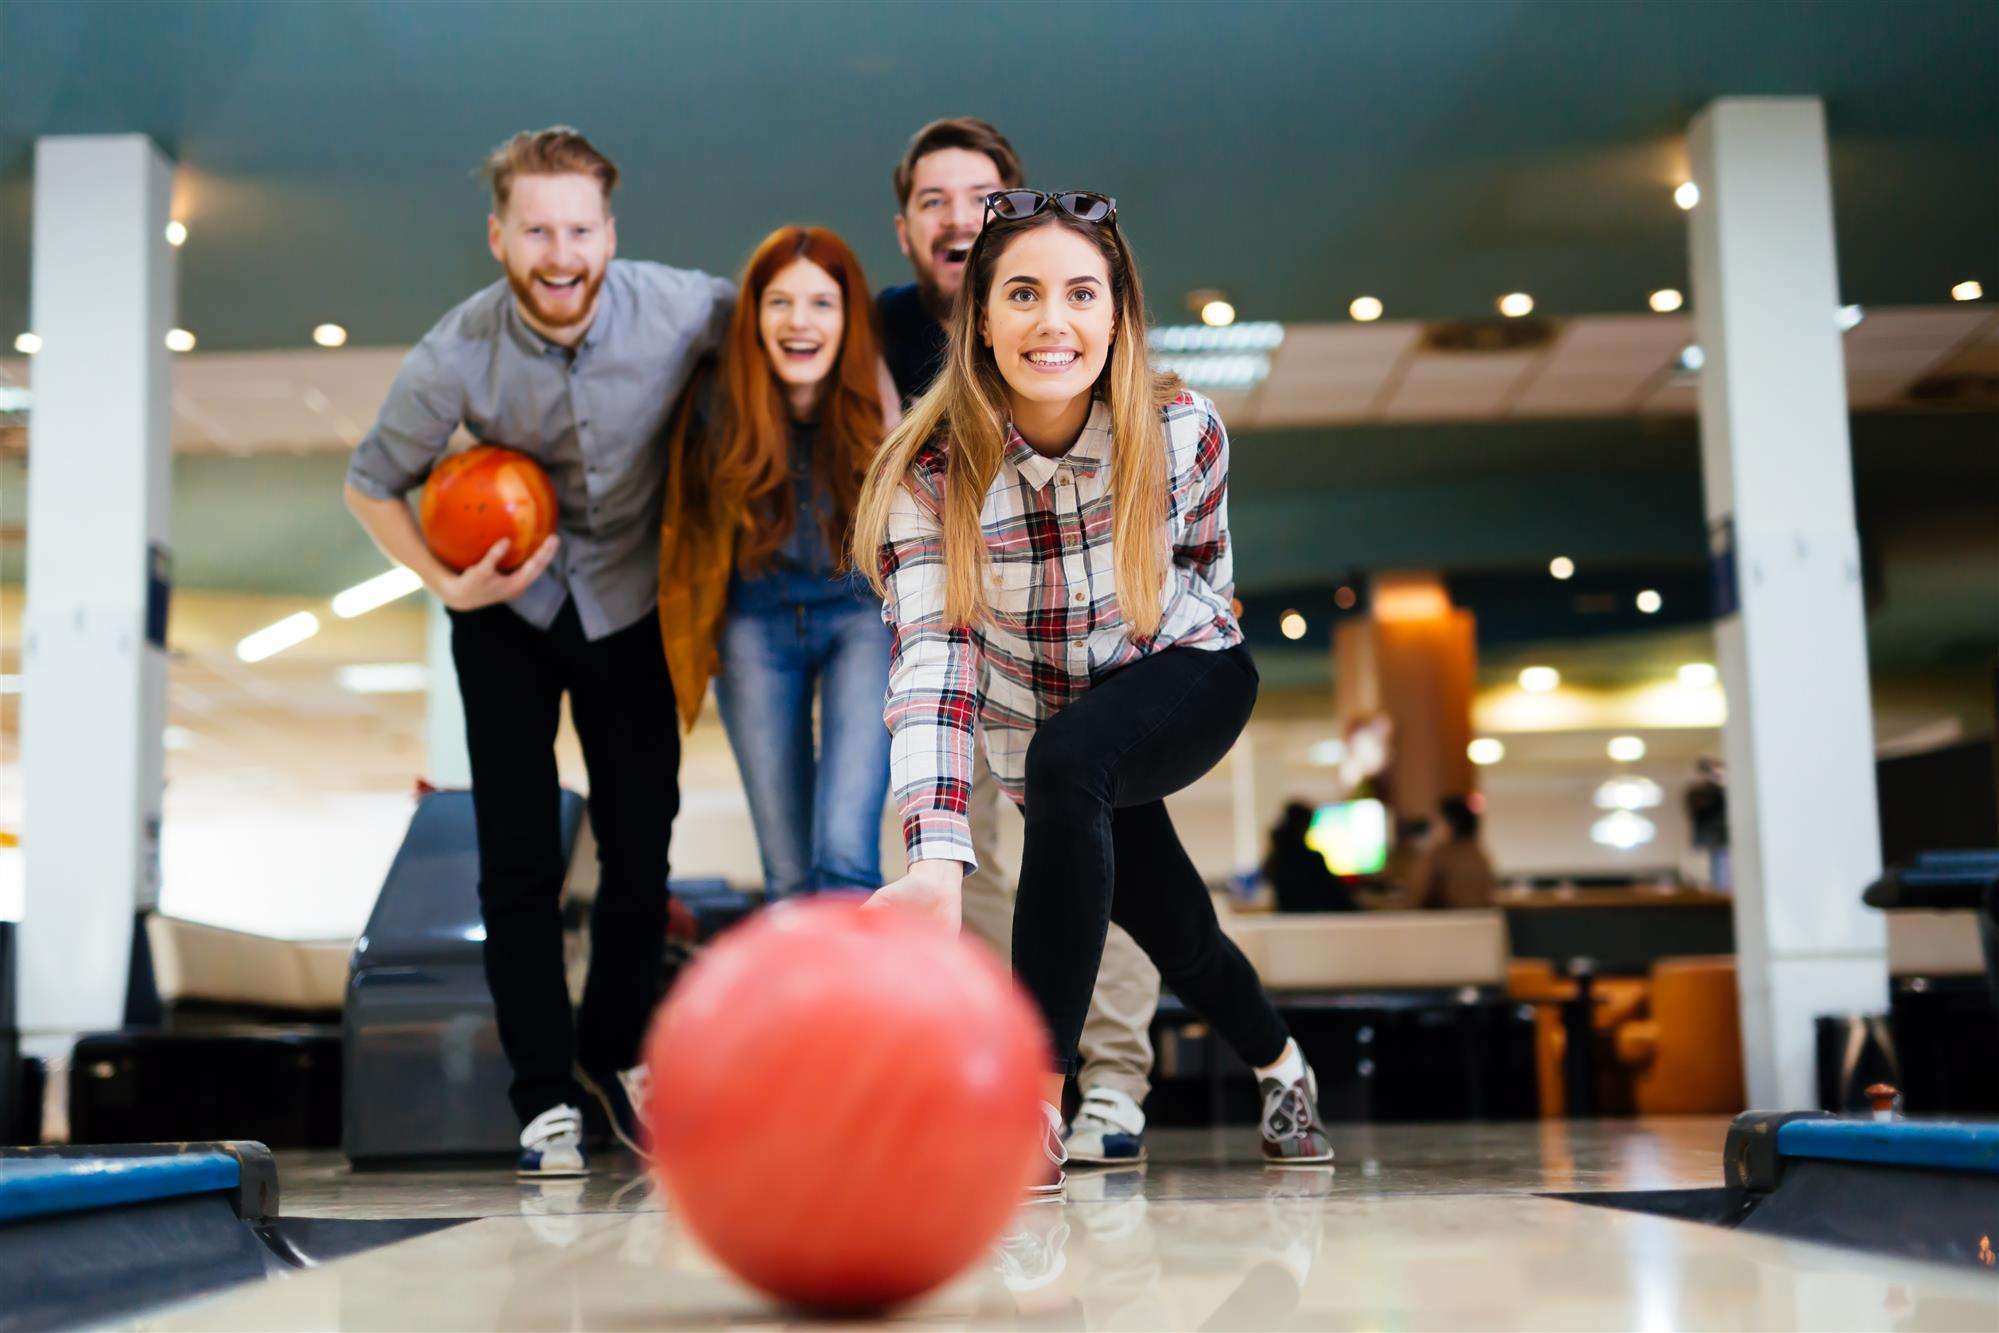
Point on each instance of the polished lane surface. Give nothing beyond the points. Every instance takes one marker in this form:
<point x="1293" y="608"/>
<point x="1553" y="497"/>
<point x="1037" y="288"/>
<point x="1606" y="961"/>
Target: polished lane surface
<point x="1418" y="1227"/>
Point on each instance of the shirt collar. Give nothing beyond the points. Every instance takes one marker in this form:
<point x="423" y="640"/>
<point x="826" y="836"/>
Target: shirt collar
<point x="1091" y="451"/>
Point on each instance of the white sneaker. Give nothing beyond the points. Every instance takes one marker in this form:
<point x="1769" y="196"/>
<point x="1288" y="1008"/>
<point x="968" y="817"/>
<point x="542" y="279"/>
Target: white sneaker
<point x="1109" y="1130"/>
<point x="552" y="1145"/>
<point x="1048" y="1185"/>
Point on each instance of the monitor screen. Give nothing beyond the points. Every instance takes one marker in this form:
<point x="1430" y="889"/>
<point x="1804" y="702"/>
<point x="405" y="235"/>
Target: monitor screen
<point x="1351" y="835"/>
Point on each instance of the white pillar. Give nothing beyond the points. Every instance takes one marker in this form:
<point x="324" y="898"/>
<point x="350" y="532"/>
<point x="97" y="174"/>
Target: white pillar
<point x="94" y="661"/>
<point x="1803" y="822"/>
<point x="447" y="762"/>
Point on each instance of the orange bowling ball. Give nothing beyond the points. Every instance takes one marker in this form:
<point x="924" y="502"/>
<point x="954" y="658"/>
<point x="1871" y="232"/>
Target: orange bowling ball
<point x="475" y="498"/>
<point x="845" y="1104"/>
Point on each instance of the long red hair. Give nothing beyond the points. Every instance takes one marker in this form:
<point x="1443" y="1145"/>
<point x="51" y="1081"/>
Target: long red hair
<point x="744" y="473"/>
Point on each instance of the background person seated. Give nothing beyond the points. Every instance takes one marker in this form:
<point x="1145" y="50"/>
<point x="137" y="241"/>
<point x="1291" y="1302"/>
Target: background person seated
<point x="1459" y="873"/>
<point x="1297" y="873"/>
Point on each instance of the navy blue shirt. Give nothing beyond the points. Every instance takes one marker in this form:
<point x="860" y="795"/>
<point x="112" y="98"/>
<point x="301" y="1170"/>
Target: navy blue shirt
<point x="912" y="340"/>
<point x="803" y="570"/>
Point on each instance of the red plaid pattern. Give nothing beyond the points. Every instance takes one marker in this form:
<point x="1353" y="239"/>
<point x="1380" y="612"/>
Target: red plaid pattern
<point x="1055" y="626"/>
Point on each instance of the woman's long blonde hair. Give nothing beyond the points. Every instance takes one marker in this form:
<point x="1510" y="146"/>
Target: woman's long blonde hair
<point x="966" y="411"/>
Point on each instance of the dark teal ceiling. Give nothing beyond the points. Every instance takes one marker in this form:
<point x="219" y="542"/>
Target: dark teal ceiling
<point x="1294" y="154"/>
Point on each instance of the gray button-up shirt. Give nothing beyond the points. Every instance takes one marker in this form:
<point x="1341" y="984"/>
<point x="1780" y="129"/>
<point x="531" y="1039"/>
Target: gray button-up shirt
<point x="592" y="417"/>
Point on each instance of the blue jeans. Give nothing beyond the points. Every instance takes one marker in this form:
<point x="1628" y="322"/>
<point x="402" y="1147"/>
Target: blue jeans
<point x="818" y="819"/>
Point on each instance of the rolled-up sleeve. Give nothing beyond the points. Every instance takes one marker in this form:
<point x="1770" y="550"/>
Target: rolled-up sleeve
<point x="1204" y="546"/>
<point x="932" y="702"/>
<point x="424" y="406"/>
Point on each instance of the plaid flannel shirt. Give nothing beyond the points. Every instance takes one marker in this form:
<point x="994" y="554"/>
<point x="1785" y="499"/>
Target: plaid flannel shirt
<point x="1055" y="627"/>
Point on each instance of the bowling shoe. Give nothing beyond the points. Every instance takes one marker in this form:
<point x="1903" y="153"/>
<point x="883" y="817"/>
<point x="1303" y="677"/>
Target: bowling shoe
<point x="623" y="1096"/>
<point x="1109" y="1130"/>
<point x="1292" y="1134"/>
<point x="552" y="1144"/>
<point x="1048" y="1184"/>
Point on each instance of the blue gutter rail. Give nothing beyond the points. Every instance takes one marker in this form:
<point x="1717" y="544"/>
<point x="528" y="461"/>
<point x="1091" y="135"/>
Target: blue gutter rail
<point x="45" y="1186"/>
<point x="1941" y="1145"/>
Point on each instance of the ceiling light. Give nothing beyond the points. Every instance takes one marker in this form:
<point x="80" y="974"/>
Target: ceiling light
<point x="1257" y="336"/>
<point x="1629" y="793"/>
<point x="1698" y="675"/>
<point x="1625" y="749"/>
<point x="385" y="678"/>
<point x="27" y="344"/>
<point x="1686" y="194"/>
<point x="1649" y="601"/>
<point x="180" y="340"/>
<point x="1540" y="679"/>
<point x="176" y="233"/>
<point x="1968" y="290"/>
<point x="1218" y="314"/>
<point x="1666" y="300"/>
<point x="1515" y="304"/>
<point x="1485" y="750"/>
<point x="1562" y="567"/>
<point x="1292" y="625"/>
<point x="329" y="335"/>
<point x="1365" y="309"/>
<point x="1217" y="371"/>
<point x="1848" y="316"/>
<point x="1692" y="358"/>
<point x="376" y="592"/>
<point x="1623" y="830"/>
<point x="274" y="639"/>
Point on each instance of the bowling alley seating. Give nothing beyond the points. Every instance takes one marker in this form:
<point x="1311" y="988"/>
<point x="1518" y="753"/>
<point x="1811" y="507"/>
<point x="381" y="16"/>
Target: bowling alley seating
<point x="1684" y="1051"/>
<point x="204" y="973"/>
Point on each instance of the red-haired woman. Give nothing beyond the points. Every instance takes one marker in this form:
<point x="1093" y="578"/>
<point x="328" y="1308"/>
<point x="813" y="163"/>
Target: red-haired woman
<point x="756" y="589"/>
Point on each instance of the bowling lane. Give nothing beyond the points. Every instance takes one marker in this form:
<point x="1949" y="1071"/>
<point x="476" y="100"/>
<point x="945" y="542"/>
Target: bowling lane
<point x="1421" y="1226"/>
<point x="1288" y="1250"/>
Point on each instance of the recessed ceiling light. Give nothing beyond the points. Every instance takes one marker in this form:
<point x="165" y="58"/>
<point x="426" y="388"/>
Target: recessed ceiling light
<point x="1540" y="679"/>
<point x="1848" y="316"/>
<point x="27" y="344"/>
<point x="1625" y="749"/>
<point x="1666" y="300"/>
<point x="1485" y="750"/>
<point x="1515" y="304"/>
<point x="1649" y="601"/>
<point x="1623" y="830"/>
<point x="176" y="232"/>
<point x="1692" y="358"/>
<point x="180" y="340"/>
<point x="1365" y="308"/>
<point x="1630" y="792"/>
<point x="329" y="335"/>
<point x="1562" y="567"/>
<point x="1698" y="675"/>
<point x="1968" y="290"/>
<point x="385" y="678"/>
<point x="1292" y="626"/>
<point x="1218" y="314"/>
<point x="1686" y="194"/>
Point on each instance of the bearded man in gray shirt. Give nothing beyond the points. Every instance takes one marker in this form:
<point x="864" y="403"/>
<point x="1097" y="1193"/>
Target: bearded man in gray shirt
<point x="575" y="358"/>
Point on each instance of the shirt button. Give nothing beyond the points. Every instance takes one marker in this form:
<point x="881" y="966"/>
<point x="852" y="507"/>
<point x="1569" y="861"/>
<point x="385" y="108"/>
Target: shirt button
<point x="1080" y="596"/>
<point x="1076" y="643"/>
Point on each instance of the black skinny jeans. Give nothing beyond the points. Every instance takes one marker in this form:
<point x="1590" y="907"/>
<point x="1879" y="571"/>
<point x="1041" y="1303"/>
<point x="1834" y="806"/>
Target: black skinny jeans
<point x="1100" y="848"/>
<point x="512" y="677"/>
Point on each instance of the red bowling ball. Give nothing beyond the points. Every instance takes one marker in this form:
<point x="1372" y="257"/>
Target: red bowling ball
<point x="845" y="1103"/>
<point x="475" y="498"/>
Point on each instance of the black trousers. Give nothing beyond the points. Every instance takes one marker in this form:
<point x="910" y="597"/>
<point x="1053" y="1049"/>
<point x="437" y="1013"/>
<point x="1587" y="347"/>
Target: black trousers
<point x="512" y="677"/>
<point x="1100" y="848"/>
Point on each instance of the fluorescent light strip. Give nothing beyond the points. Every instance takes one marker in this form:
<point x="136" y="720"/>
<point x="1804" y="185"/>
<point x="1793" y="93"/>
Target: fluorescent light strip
<point x="1217" y="371"/>
<point x="274" y="639"/>
<point x="385" y="678"/>
<point x="377" y="592"/>
<point x="1266" y="336"/>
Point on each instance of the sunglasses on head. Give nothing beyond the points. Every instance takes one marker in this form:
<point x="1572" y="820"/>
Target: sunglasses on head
<point x="1082" y="205"/>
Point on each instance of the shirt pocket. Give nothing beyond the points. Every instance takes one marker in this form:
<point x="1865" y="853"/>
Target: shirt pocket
<point x="1010" y="590"/>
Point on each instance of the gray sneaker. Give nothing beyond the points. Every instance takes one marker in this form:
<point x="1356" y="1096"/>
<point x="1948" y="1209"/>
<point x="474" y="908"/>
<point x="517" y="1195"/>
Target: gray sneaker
<point x="1292" y="1134"/>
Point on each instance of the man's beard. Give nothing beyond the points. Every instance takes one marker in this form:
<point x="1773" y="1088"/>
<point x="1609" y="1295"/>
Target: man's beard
<point x="529" y="296"/>
<point x="935" y="299"/>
